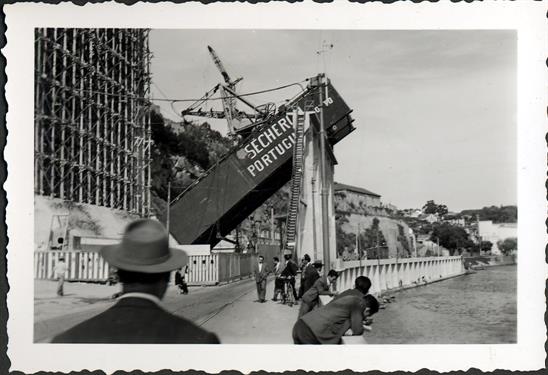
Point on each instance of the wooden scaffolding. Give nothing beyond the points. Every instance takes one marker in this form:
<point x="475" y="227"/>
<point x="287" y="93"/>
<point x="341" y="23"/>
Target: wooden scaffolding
<point x="92" y="124"/>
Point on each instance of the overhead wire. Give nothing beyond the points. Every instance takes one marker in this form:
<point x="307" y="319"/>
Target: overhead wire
<point x="175" y="100"/>
<point x="165" y="96"/>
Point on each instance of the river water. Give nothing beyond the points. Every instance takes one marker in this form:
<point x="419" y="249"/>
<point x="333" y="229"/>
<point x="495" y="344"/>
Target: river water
<point x="478" y="308"/>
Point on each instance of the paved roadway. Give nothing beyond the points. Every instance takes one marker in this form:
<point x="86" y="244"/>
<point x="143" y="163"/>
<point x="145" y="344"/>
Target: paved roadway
<point x="228" y="310"/>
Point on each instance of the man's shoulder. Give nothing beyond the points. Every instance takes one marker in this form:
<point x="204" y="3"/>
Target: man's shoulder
<point x="128" y="324"/>
<point x="192" y="332"/>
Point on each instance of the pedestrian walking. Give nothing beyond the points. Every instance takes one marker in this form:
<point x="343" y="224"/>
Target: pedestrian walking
<point x="344" y="315"/>
<point x="311" y="299"/>
<point x="59" y="271"/>
<point x="180" y="280"/>
<point x="144" y="262"/>
<point x="261" y="272"/>
<point x="278" y="283"/>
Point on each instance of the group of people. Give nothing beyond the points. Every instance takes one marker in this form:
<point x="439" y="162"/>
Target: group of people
<point x="282" y="273"/>
<point x="346" y="314"/>
<point x="144" y="262"/>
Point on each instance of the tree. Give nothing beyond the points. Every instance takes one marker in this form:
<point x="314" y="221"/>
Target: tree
<point x="373" y="238"/>
<point x="502" y="214"/>
<point x="430" y="207"/>
<point x="344" y="240"/>
<point x="508" y="245"/>
<point x="486" y="245"/>
<point x="451" y="237"/>
<point x="442" y="209"/>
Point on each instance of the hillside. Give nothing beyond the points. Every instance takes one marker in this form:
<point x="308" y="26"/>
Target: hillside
<point x="498" y="214"/>
<point x="392" y="234"/>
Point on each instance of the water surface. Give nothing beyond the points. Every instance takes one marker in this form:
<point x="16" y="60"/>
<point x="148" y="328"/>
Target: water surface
<point x="478" y="308"/>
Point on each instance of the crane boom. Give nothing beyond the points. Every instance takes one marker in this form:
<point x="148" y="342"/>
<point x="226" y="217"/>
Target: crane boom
<point x="220" y="66"/>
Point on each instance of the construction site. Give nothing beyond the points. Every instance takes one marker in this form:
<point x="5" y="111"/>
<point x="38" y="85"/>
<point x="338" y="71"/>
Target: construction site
<point x="105" y="156"/>
<point x="97" y="166"/>
<point x="93" y="154"/>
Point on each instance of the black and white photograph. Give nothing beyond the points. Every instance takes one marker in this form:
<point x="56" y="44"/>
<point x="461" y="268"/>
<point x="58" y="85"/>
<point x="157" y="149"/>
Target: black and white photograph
<point x="275" y="186"/>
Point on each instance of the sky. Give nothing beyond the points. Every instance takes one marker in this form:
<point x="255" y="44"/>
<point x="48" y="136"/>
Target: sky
<point x="435" y="111"/>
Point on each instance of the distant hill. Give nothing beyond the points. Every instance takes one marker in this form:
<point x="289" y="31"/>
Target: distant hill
<point x="498" y="214"/>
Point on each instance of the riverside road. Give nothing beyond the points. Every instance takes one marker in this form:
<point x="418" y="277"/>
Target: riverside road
<point x="479" y="308"/>
<point x="228" y="310"/>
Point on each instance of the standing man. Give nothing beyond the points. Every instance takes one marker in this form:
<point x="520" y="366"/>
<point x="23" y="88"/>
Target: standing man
<point x="306" y="272"/>
<point x="144" y="262"/>
<point x="180" y="281"/>
<point x="290" y="270"/>
<point x="313" y="273"/>
<point x="278" y="283"/>
<point x="59" y="271"/>
<point x="261" y="272"/>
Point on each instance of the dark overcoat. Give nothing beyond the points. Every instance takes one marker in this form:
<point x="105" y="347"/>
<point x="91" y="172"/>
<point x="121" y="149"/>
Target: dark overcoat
<point x="137" y="321"/>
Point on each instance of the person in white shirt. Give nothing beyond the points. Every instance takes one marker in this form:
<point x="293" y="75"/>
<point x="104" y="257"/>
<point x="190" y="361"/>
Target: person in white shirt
<point x="59" y="271"/>
<point x="278" y="283"/>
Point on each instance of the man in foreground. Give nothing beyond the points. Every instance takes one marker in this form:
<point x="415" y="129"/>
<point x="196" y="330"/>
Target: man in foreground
<point x="344" y="315"/>
<point x="144" y="262"/>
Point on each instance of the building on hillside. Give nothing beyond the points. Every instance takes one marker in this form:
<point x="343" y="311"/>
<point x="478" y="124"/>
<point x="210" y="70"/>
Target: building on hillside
<point x="390" y="206"/>
<point x="454" y="220"/>
<point x="489" y="231"/>
<point x="413" y="213"/>
<point x="357" y="196"/>
<point x="431" y="218"/>
<point x="92" y="134"/>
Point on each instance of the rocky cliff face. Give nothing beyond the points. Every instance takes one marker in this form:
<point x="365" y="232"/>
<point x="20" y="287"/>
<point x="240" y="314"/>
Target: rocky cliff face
<point x="376" y="228"/>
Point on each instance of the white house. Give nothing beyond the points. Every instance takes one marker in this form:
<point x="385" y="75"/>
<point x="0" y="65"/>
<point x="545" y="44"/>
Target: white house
<point x="492" y="232"/>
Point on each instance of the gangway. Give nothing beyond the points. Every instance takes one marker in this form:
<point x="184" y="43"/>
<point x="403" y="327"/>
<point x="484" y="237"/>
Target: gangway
<point x="254" y="169"/>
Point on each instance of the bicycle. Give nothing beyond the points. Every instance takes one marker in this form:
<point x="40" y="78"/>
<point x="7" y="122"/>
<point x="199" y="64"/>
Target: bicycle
<point x="288" y="293"/>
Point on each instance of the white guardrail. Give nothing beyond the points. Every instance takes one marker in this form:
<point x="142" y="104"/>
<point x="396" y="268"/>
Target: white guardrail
<point x="389" y="274"/>
<point x="88" y="266"/>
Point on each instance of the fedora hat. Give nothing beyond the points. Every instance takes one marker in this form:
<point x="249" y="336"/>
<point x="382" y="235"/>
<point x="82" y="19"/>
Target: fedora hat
<point x="144" y="248"/>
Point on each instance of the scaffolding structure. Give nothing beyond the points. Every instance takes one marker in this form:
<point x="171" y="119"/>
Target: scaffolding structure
<point x="92" y="124"/>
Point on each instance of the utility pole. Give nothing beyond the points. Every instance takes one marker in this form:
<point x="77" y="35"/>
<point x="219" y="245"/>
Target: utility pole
<point x="358" y="241"/>
<point x="168" y="204"/>
<point x="479" y="236"/>
<point x="272" y="228"/>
